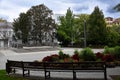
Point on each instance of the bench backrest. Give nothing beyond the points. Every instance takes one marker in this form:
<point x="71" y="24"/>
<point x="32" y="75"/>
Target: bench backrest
<point x="58" y="65"/>
<point x="76" y="65"/>
<point x="37" y="65"/>
<point x="14" y="63"/>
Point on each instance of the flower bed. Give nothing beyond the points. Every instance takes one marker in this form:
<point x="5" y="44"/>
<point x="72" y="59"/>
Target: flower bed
<point x="85" y="55"/>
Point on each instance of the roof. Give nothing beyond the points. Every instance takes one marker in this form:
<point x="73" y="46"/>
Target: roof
<point x="108" y="18"/>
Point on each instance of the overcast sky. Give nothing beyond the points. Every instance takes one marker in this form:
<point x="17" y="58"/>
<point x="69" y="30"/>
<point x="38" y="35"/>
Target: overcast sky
<point x="10" y="9"/>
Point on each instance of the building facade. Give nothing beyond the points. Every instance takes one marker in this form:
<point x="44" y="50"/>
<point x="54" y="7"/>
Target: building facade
<point x="6" y="33"/>
<point x="111" y="21"/>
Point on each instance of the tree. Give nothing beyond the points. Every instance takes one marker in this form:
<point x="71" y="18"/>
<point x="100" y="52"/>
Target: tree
<point x="117" y="7"/>
<point x="66" y="28"/>
<point x="34" y="24"/>
<point x="21" y="27"/>
<point x="42" y="22"/>
<point x="79" y="28"/>
<point x="97" y="31"/>
<point x="113" y="36"/>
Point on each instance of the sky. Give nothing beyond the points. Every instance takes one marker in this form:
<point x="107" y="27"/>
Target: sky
<point x="10" y="9"/>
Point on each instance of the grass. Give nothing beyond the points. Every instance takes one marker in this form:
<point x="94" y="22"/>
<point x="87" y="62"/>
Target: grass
<point x="3" y="76"/>
<point x="116" y="77"/>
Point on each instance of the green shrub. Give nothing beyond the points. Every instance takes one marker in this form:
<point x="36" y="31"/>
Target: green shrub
<point x="113" y="51"/>
<point x="117" y="53"/>
<point x="62" y="55"/>
<point x="76" y="52"/>
<point x="108" y="50"/>
<point x="87" y="54"/>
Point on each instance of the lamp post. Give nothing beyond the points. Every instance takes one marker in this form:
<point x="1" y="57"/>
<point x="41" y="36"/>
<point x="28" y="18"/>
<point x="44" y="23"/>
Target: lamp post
<point x="53" y="38"/>
<point x="19" y="34"/>
<point x="85" y="43"/>
<point x="19" y="40"/>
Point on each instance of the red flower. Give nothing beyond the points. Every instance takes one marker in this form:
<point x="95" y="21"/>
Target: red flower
<point x="75" y="57"/>
<point x="108" y="58"/>
<point x="46" y="59"/>
<point x="99" y="55"/>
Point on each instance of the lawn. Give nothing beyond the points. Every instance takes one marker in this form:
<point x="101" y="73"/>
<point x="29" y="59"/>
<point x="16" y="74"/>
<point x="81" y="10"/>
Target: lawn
<point x="3" y="76"/>
<point x="116" y="77"/>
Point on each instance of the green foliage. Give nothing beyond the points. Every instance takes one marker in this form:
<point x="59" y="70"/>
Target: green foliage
<point x="62" y="37"/>
<point x="22" y="24"/>
<point x="87" y="54"/>
<point x="117" y="53"/>
<point x="65" y="29"/>
<point x="117" y="7"/>
<point x="76" y="52"/>
<point x="61" y="54"/>
<point x="34" y="24"/>
<point x="108" y="50"/>
<point x="96" y="28"/>
<point x="42" y="22"/>
<point x="78" y="28"/>
<point x="113" y="36"/>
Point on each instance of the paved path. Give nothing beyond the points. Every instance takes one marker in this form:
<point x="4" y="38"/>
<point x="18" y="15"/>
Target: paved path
<point x="38" y="55"/>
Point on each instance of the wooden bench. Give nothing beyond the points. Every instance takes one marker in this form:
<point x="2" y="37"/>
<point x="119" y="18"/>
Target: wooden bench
<point x="49" y="67"/>
<point x="75" y="67"/>
<point x="26" y="67"/>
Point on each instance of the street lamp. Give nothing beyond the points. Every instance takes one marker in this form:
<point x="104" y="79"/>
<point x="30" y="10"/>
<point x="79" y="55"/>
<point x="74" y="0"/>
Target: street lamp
<point x="85" y="43"/>
<point x="19" y="34"/>
<point x="53" y="38"/>
<point x="19" y="40"/>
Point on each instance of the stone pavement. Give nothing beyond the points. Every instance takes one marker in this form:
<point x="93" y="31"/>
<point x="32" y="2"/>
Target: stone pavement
<point x="39" y="75"/>
<point x="32" y="54"/>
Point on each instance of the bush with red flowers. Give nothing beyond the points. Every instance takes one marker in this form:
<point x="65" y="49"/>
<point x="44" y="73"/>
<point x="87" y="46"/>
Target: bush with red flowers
<point x="108" y="58"/>
<point x="47" y="59"/>
<point x="55" y="57"/>
<point x="85" y="55"/>
<point x="99" y="55"/>
<point x="75" y="57"/>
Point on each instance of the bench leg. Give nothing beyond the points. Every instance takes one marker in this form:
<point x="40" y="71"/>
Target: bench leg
<point x="74" y="75"/>
<point x="26" y="74"/>
<point x="23" y="73"/>
<point x="47" y="74"/>
<point x="14" y="71"/>
<point x="105" y="75"/>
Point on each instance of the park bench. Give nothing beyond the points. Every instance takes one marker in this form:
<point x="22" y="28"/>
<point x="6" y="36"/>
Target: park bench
<point x="49" y="67"/>
<point x="26" y="67"/>
<point x="75" y="67"/>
